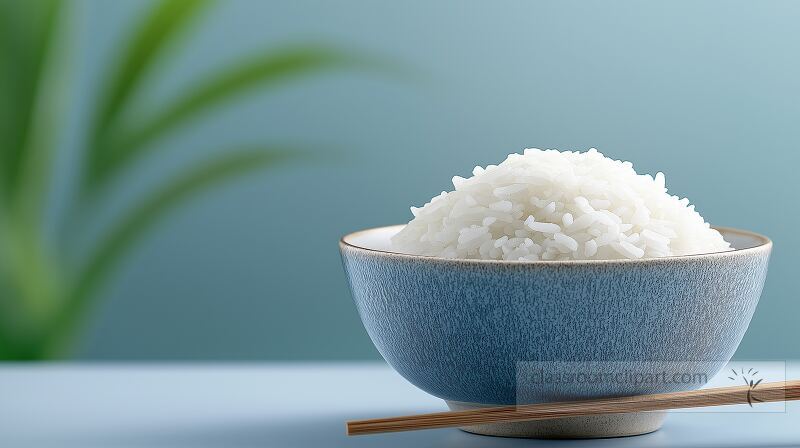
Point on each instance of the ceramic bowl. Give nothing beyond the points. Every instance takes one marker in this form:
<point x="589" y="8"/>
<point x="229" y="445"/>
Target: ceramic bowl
<point x="478" y="332"/>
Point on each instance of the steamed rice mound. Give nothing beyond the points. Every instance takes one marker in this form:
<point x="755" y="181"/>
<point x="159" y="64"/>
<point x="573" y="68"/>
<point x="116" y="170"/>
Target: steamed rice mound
<point x="551" y="205"/>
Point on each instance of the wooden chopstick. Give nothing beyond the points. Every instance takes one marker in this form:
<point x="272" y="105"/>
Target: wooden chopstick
<point x="765" y="392"/>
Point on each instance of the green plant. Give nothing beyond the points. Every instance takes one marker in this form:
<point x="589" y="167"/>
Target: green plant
<point x="46" y="290"/>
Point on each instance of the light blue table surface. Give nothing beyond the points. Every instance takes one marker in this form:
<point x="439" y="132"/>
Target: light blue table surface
<point x="291" y="405"/>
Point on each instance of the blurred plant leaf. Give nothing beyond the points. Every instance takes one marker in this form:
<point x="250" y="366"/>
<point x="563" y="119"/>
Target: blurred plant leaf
<point x="160" y="27"/>
<point x="26" y="293"/>
<point x="33" y="272"/>
<point x="142" y="218"/>
<point x="42" y="298"/>
<point x="48" y="107"/>
<point x="7" y="342"/>
<point x="260" y="71"/>
<point x="32" y="95"/>
<point x="7" y="316"/>
<point x="26" y="27"/>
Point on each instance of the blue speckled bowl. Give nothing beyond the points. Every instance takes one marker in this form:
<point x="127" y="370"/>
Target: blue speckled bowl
<point x="461" y="329"/>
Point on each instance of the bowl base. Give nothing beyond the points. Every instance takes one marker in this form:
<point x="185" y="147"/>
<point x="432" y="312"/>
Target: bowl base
<point x="589" y="427"/>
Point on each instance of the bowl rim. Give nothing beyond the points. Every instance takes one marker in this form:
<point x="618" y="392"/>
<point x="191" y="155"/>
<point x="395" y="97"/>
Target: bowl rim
<point x="765" y="244"/>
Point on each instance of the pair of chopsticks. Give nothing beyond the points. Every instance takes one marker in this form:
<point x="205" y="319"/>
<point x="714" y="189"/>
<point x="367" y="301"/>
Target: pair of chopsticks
<point x="765" y="392"/>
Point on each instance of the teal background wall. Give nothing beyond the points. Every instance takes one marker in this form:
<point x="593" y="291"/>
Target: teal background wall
<point x="705" y="91"/>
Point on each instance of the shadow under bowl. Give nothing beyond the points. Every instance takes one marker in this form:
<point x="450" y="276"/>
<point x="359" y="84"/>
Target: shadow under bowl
<point x="487" y="332"/>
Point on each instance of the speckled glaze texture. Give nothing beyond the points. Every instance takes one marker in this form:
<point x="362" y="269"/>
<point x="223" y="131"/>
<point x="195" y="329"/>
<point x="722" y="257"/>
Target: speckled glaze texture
<point x="459" y="329"/>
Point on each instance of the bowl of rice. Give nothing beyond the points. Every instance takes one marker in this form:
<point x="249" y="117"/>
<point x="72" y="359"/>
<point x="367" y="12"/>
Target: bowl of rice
<point x="552" y="276"/>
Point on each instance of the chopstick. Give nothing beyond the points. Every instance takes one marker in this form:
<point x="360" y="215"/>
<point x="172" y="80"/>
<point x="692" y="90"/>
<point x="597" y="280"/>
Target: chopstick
<point x="765" y="392"/>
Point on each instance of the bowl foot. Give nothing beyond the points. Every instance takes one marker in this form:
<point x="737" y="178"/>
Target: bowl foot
<point x="589" y="427"/>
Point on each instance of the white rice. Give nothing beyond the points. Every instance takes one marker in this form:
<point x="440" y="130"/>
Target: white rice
<point x="551" y="205"/>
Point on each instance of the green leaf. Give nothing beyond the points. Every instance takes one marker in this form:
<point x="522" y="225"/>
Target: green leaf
<point x="141" y="219"/>
<point x="46" y="116"/>
<point x="28" y="291"/>
<point x="7" y="308"/>
<point x="32" y="87"/>
<point x="151" y="37"/>
<point x="25" y="31"/>
<point x="260" y="71"/>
